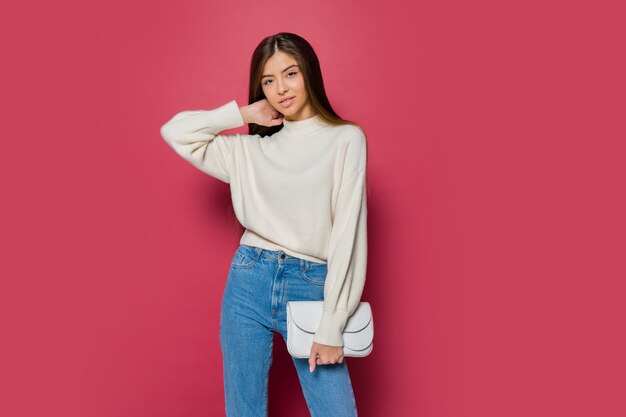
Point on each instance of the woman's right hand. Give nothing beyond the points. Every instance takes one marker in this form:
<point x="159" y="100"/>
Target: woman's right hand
<point x="261" y="113"/>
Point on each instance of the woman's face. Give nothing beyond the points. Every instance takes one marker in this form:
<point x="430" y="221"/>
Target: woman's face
<point x="282" y="79"/>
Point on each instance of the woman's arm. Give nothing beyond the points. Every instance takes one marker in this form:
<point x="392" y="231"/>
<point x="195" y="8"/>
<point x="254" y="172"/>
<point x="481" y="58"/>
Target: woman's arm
<point x="347" y="253"/>
<point x="194" y="135"/>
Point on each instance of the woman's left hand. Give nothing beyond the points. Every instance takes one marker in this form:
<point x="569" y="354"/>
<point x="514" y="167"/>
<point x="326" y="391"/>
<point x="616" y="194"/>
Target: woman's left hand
<point x="325" y="355"/>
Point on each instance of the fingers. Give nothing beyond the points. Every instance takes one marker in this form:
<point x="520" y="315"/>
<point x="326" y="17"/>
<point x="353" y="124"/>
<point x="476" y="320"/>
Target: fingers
<point x="277" y="120"/>
<point x="323" y="361"/>
<point x="313" y="358"/>
<point x="321" y="356"/>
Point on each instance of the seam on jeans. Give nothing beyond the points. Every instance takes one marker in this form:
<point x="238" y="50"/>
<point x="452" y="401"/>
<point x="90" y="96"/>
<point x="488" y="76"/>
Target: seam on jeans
<point x="283" y="294"/>
<point x="312" y="280"/>
<point x="267" y="367"/>
<point x="278" y="270"/>
<point x="256" y="257"/>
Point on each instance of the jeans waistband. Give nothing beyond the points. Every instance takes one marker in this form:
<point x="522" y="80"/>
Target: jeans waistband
<point x="279" y="256"/>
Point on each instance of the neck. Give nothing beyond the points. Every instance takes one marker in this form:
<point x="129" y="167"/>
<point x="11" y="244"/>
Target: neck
<point x="303" y="127"/>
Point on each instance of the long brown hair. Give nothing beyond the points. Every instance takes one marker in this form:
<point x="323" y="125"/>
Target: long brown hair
<point x="306" y="58"/>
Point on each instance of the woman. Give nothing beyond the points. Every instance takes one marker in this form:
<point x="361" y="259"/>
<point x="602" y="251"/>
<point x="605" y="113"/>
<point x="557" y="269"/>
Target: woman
<point x="298" y="187"/>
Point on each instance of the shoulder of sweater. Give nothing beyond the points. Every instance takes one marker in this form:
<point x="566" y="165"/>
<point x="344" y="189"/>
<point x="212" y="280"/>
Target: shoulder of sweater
<point x="355" y="145"/>
<point x="352" y="134"/>
<point x="246" y="137"/>
<point x="356" y="140"/>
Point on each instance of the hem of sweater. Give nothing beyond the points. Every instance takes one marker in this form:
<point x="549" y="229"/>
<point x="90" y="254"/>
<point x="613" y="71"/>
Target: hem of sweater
<point x="252" y="239"/>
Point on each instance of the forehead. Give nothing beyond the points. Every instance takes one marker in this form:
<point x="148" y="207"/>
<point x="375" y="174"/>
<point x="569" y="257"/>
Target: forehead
<point x="278" y="62"/>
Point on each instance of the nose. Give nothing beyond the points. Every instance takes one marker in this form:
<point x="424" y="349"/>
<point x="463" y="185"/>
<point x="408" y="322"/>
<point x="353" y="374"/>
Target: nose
<point x="282" y="87"/>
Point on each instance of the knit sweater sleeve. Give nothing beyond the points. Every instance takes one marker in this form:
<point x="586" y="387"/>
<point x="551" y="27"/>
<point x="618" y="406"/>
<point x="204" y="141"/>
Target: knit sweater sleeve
<point x="194" y="135"/>
<point x="347" y="253"/>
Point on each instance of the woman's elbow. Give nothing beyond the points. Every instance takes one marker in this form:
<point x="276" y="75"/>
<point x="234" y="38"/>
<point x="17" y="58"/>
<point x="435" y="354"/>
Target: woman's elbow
<point x="166" y="132"/>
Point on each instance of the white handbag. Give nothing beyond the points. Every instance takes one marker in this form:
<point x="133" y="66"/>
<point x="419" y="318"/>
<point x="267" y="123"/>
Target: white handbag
<point x="304" y="317"/>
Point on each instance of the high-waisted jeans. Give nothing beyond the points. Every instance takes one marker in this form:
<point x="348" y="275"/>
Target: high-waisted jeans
<point x="260" y="282"/>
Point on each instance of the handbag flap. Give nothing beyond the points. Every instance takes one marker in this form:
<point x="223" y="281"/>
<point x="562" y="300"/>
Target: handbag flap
<point x="359" y="341"/>
<point x="307" y="315"/>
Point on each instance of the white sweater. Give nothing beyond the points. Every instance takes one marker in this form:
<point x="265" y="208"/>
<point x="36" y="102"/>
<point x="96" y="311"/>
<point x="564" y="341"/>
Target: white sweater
<point x="301" y="190"/>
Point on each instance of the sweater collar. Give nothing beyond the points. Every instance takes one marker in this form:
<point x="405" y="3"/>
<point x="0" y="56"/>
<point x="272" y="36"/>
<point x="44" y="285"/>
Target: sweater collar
<point x="303" y="127"/>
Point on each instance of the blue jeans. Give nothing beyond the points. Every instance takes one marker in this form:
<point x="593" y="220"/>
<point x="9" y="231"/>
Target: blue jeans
<point x="260" y="282"/>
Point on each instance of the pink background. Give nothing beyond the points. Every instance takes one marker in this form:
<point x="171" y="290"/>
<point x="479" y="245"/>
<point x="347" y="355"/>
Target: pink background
<point x="496" y="184"/>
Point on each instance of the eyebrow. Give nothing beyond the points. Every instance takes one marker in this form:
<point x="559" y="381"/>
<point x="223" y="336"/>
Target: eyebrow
<point x="267" y="75"/>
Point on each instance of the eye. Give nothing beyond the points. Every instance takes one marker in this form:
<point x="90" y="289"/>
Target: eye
<point x="289" y="74"/>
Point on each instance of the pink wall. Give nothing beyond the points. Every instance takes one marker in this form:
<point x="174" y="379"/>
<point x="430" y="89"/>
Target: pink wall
<point x="496" y="213"/>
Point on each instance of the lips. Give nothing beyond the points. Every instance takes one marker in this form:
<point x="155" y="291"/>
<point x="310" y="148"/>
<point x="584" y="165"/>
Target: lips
<point x="286" y="102"/>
